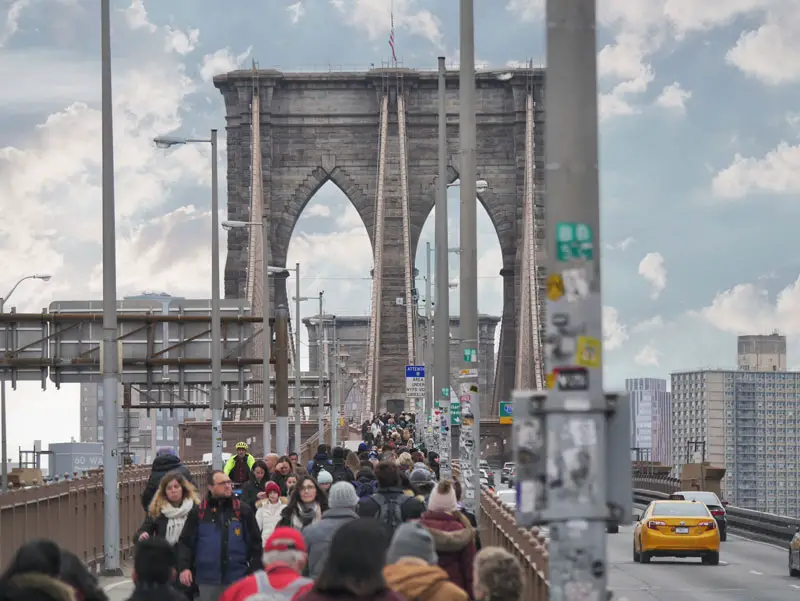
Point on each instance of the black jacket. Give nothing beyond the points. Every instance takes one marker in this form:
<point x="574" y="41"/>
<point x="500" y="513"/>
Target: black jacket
<point x="251" y="489"/>
<point x="157" y="528"/>
<point x="410" y="509"/>
<point x="162" y="465"/>
<point x="187" y="545"/>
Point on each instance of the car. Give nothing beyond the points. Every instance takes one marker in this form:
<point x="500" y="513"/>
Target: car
<point x="714" y="504"/>
<point x="508" y="496"/>
<point x="511" y="478"/>
<point x="484" y="465"/>
<point x="794" y="555"/>
<point x="673" y="528"/>
<point x="506" y="469"/>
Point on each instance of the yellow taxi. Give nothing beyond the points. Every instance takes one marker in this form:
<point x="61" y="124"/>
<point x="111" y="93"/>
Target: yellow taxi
<point x="676" y="529"/>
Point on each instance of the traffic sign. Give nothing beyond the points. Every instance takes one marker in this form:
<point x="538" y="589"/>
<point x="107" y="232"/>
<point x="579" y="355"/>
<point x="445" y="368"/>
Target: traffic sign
<point x="415" y="381"/>
<point x="506" y="412"/>
<point x="470" y="355"/>
<point x="455" y="413"/>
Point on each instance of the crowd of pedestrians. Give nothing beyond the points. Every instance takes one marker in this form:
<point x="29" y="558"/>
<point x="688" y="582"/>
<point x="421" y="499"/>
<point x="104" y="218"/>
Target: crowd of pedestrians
<point x="373" y="525"/>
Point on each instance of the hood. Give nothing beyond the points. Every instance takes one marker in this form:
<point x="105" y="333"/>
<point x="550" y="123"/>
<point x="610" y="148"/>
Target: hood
<point x="166" y="463"/>
<point x="51" y="587"/>
<point x="339" y="513"/>
<point x="320" y="457"/>
<point x="415" y="580"/>
<point x="365" y="475"/>
<point x="451" y="532"/>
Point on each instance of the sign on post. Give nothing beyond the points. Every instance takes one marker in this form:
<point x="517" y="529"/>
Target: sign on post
<point x="506" y="412"/>
<point x="415" y="381"/>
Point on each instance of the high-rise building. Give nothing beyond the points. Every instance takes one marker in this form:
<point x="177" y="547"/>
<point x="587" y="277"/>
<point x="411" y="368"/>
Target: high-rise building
<point x="651" y="419"/>
<point x="747" y="422"/>
<point x="762" y="353"/>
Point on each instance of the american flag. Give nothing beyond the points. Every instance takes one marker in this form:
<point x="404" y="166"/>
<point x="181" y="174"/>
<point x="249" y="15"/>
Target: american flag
<point x="391" y="40"/>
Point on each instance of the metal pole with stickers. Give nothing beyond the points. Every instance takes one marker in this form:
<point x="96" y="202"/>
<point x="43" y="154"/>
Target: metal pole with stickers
<point x="571" y="442"/>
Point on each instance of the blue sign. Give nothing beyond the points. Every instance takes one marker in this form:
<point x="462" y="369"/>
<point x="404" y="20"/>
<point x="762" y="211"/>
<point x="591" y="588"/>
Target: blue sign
<point x="415" y="371"/>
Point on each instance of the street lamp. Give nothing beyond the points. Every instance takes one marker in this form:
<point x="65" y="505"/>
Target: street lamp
<point x="216" y="325"/>
<point x="3" y="299"/>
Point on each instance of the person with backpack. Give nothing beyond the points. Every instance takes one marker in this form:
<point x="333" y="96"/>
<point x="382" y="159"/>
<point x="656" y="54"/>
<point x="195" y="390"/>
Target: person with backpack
<point x="220" y="542"/>
<point x="366" y="484"/>
<point x="284" y="558"/>
<point x="389" y="504"/>
<point x="321" y="461"/>
<point x="338" y="469"/>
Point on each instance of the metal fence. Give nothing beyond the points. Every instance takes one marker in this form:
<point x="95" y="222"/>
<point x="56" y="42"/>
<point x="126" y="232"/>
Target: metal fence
<point x="70" y="512"/>
<point x="498" y="528"/>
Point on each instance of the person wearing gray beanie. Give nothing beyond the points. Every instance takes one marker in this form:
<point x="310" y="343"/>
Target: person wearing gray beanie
<point x="342" y="502"/>
<point x="412" y="567"/>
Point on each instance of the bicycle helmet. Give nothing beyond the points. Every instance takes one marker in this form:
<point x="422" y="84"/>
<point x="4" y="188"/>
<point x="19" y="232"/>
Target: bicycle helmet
<point x="241" y="445"/>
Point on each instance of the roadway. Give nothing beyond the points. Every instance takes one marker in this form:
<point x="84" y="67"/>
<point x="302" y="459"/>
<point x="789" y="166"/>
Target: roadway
<point x="748" y="571"/>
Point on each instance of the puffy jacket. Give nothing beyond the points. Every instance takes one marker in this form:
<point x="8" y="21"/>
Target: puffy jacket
<point x="319" y="535"/>
<point x="454" y="538"/>
<point x="162" y="465"/>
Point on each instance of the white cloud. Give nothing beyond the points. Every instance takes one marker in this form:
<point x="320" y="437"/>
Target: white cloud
<point x="648" y="324"/>
<point x="222" y="61"/>
<point x="296" y="11"/>
<point x="528" y="10"/>
<point x="320" y="210"/>
<point x="747" y="309"/>
<point x="652" y="269"/>
<point x="615" y="333"/>
<point x="648" y="356"/>
<point x="778" y="172"/>
<point x="673" y="97"/>
<point x="622" y="245"/>
<point x="375" y="19"/>
<point x="10" y="26"/>
<point x="182" y="42"/>
<point x="771" y="53"/>
<point x="136" y="16"/>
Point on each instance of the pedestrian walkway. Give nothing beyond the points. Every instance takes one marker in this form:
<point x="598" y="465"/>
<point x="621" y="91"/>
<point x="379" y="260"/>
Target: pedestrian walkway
<point x="118" y="588"/>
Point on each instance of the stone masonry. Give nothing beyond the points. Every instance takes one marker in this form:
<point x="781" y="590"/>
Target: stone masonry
<point x="317" y="127"/>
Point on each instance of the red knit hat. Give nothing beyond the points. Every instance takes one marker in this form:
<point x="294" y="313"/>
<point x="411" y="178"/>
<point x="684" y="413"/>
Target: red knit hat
<point x="285" y="539"/>
<point x="272" y="487"/>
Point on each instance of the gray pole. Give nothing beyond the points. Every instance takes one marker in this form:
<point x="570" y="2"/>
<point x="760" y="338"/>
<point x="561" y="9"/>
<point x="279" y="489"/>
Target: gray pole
<point x="468" y="326"/>
<point x="573" y="258"/>
<point x="298" y="408"/>
<point x="441" y="326"/>
<point x="217" y="403"/>
<point x="334" y="371"/>
<point x="321" y="399"/>
<point x="267" y="333"/>
<point x="282" y="380"/>
<point x="4" y="468"/>
<point x="426" y="405"/>
<point x="111" y="379"/>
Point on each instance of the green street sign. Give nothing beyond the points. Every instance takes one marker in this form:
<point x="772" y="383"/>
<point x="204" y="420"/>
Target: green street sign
<point x="574" y="241"/>
<point x="455" y="414"/>
<point x="446" y="391"/>
<point x="470" y="355"/>
<point x="506" y="412"/>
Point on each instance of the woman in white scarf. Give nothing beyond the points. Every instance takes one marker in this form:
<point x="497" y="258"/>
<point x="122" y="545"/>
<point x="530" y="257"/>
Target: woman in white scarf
<point x="170" y="507"/>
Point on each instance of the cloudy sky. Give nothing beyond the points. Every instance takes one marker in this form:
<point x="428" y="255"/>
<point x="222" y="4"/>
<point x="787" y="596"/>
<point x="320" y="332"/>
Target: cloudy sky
<point x="700" y="159"/>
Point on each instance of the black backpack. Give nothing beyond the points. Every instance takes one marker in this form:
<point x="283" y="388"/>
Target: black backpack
<point x="390" y="510"/>
<point x="319" y="465"/>
<point x="340" y="473"/>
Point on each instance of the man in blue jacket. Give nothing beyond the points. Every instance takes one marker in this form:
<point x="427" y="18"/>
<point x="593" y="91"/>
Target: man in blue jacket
<point x="220" y="542"/>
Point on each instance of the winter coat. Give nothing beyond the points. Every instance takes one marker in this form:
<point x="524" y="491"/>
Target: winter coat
<point x="251" y="489"/>
<point x="301" y="517"/>
<point x="340" y="471"/>
<point x="454" y="538"/>
<point x="162" y="465"/>
<point x="318" y="537"/>
<point x="268" y="515"/>
<point x="418" y="581"/>
<point x="280" y="480"/>
<point x="366" y="483"/>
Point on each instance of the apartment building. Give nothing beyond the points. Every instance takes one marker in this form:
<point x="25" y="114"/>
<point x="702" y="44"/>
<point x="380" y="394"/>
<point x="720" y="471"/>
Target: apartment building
<point x="747" y="422"/>
<point x="651" y="419"/>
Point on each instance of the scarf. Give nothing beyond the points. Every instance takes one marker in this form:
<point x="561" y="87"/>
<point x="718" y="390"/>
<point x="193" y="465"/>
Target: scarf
<point x="176" y="518"/>
<point x="305" y="515"/>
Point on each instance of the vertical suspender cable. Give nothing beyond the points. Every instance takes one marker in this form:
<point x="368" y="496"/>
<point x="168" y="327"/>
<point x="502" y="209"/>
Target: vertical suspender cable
<point x="533" y="280"/>
<point x="409" y="274"/>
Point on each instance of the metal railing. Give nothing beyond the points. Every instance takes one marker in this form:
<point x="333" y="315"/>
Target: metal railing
<point x="498" y="528"/>
<point x="70" y="512"/>
<point x="756" y="525"/>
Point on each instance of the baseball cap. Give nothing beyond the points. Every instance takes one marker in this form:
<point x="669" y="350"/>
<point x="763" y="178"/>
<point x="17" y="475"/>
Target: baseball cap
<point x="285" y="539"/>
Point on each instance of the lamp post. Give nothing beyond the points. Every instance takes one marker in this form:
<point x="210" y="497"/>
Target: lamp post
<point x="216" y="325"/>
<point x="3" y="299"/>
<point x="320" y="359"/>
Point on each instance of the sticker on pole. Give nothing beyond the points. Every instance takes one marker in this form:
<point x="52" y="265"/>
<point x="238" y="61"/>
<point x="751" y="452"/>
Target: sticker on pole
<point x="589" y="350"/>
<point x="574" y="241"/>
<point x="506" y="412"/>
<point x="415" y="381"/>
<point x="555" y="287"/>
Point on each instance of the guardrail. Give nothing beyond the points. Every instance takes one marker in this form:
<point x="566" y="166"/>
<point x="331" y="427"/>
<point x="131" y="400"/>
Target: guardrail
<point x="757" y="525"/>
<point x="70" y="512"/>
<point x="498" y="527"/>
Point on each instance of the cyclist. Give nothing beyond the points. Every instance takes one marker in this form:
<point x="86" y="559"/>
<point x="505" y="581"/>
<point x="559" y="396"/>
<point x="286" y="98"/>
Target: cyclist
<point x="239" y="466"/>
